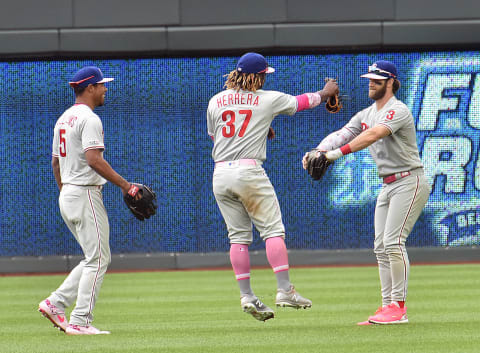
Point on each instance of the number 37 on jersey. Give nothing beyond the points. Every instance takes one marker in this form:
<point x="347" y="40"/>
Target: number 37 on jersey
<point x="233" y="121"/>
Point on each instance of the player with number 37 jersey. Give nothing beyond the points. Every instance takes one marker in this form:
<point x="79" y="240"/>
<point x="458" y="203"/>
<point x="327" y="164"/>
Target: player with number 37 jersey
<point x="244" y="111"/>
<point x="238" y="121"/>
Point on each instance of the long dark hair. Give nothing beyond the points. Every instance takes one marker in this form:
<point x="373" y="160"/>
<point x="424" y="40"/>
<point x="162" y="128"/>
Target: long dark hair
<point x="249" y="82"/>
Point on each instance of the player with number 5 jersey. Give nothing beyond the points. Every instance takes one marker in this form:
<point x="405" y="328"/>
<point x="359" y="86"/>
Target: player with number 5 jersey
<point x="238" y="121"/>
<point x="80" y="172"/>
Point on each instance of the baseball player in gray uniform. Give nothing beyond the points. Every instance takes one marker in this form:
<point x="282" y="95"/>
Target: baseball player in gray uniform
<point x="80" y="172"/>
<point x="238" y="121"/>
<point x="387" y="128"/>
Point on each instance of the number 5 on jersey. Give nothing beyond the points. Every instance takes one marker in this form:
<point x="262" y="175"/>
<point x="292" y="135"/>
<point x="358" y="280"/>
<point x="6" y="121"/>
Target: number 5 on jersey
<point x="229" y="117"/>
<point x="62" y="147"/>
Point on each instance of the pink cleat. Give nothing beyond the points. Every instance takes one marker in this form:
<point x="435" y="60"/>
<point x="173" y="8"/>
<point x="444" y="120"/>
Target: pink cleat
<point x="366" y="323"/>
<point x="391" y="314"/>
<point x="54" y="314"/>
<point x="73" y="330"/>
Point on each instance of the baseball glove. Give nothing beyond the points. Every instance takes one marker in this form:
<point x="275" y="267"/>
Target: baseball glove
<point x="333" y="104"/>
<point x="142" y="206"/>
<point x="317" y="164"/>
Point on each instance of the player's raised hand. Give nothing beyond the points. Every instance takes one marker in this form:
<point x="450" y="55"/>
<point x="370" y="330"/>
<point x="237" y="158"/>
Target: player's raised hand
<point x="329" y="89"/>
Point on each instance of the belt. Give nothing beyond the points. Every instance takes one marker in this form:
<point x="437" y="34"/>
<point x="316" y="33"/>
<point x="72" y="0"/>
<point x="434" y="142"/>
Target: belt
<point x="394" y="177"/>
<point x="236" y="163"/>
<point x="90" y="187"/>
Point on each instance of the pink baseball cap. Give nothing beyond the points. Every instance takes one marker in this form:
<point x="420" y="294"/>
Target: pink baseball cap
<point x="88" y="75"/>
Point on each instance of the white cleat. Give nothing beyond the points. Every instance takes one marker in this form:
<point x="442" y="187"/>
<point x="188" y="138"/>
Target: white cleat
<point x="73" y="330"/>
<point x="254" y="306"/>
<point x="292" y="299"/>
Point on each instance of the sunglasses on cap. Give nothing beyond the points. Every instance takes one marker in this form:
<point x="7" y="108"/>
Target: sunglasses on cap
<point x="375" y="70"/>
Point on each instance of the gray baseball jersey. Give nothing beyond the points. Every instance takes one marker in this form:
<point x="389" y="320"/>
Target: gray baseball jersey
<point x="397" y="152"/>
<point x="400" y="202"/>
<point x="78" y="130"/>
<point x="239" y="122"/>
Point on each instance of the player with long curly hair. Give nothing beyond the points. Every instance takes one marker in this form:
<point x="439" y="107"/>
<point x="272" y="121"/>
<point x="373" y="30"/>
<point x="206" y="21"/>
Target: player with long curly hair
<point x="238" y="120"/>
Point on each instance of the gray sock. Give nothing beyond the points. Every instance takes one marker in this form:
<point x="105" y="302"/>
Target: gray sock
<point x="245" y="288"/>
<point x="283" y="280"/>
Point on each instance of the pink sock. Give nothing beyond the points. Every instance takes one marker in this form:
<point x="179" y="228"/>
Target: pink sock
<point x="240" y="260"/>
<point x="277" y="254"/>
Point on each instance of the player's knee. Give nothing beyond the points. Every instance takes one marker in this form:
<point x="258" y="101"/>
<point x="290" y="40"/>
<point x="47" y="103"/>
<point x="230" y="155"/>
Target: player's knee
<point x="241" y="238"/>
<point x="98" y="260"/>
<point x="394" y="249"/>
<point x="379" y="248"/>
<point x="381" y="256"/>
<point x="107" y="260"/>
<point x="272" y="235"/>
<point x="103" y="264"/>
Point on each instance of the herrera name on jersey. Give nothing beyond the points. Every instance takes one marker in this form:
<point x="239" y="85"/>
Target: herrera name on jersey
<point x="237" y="99"/>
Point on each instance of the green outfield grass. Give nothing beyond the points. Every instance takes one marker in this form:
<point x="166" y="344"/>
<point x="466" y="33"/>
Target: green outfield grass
<point x="199" y="311"/>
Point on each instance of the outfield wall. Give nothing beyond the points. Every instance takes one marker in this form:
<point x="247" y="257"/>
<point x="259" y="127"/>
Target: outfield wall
<point x="155" y="133"/>
<point x="221" y="260"/>
<point x="54" y="28"/>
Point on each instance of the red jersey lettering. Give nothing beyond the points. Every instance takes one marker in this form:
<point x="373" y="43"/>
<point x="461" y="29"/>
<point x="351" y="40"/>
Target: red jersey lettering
<point x="390" y="114"/>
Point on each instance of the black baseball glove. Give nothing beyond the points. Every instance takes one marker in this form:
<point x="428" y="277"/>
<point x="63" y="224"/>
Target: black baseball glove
<point x="141" y="201"/>
<point x="317" y="164"/>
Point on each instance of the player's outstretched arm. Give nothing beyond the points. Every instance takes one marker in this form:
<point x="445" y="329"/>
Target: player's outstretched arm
<point x="101" y="166"/>
<point x="336" y="139"/>
<point x="360" y="142"/>
<point x="312" y="100"/>
<point x="333" y="141"/>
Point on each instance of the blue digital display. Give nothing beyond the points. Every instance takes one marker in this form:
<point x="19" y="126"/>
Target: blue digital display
<point x="446" y="103"/>
<point x="154" y="121"/>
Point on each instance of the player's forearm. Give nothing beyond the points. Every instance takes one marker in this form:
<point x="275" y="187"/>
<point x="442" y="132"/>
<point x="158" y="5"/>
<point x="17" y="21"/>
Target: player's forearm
<point x="363" y="140"/>
<point x="360" y="142"/>
<point x="336" y="139"/>
<point x="357" y="144"/>
<point x="312" y="100"/>
<point x="103" y="168"/>
<point x="56" y="172"/>
<point x="308" y="101"/>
